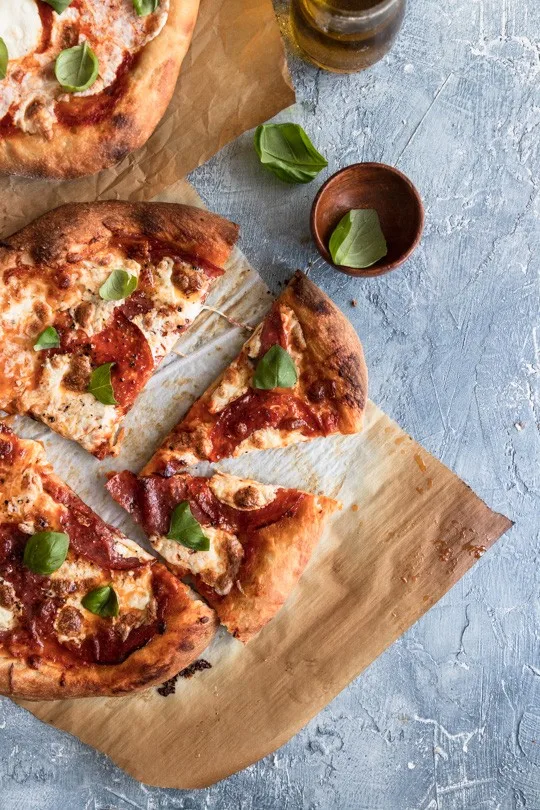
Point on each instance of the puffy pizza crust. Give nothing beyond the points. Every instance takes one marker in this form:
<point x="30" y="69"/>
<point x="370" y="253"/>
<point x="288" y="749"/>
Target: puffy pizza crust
<point x="86" y="148"/>
<point x="320" y="338"/>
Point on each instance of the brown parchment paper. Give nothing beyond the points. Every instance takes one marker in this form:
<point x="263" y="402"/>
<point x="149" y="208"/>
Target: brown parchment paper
<point x="233" y="78"/>
<point x="408" y="530"/>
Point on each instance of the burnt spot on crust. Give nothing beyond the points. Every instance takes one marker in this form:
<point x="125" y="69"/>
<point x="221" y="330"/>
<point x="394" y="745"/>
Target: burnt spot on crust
<point x="349" y="371"/>
<point x="310" y="295"/>
<point x="118" y="152"/>
<point x="150" y="220"/>
<point x="186" y="645"/>
<point x="120" y="121"/>
<point x="321" y="390"/>
<point x="69" y="621"/>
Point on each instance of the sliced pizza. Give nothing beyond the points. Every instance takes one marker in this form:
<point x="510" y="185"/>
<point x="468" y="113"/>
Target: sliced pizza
<point x="83" y="83"/>
<point x="92" y="297"/>
<point x="243" y="544"/>
<point x="83" y="610"/>
<point x="301" y="375"/>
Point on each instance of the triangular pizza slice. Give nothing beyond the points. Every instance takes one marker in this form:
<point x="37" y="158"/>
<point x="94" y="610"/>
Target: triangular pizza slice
<point x="243" y="544"/>
<point x="92" y="298"/>
<point x="84" y="611"/>
<point x="300" y="375"/>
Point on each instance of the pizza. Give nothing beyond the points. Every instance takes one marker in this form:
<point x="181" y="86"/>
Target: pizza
<point x="83" y="83"/>
<point x="243" y="544"/>
<point x="301" y="375"/>
<point x="83" y="610"/>
<point x="92" y="298"/>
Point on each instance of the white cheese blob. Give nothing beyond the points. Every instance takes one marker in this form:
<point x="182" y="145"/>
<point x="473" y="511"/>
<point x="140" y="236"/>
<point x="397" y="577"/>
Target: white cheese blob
<point x="20" y="26"/>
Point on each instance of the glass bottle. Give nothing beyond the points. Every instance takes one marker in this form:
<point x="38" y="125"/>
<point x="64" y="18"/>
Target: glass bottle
<point x="346" y="36"/>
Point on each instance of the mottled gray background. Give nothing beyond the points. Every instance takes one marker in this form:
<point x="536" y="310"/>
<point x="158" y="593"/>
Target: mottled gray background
<point x="449" y="717"/>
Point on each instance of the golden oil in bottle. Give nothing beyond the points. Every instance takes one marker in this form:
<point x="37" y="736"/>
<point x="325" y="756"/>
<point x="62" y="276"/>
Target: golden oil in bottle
<point x="346" y="36"/>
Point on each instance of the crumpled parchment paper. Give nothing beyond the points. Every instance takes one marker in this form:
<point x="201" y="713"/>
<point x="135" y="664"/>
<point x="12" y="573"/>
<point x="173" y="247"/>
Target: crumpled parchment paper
<point x="409" y="529"/>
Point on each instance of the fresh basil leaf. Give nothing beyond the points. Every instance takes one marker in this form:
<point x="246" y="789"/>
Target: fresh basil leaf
<point x="102" y="601"/>
<point x="286" y="150"/>
<point x="276" y="369"/>
<point x="76" y="68"/>
<point x="358" y="240"/>
<point x="186" y="530"/>
<point x="4" y="58"/>
<point x="59" y="5"/>
<point x="48" y="339"/>
<point x="100" y="384"/>
<point x="145" y="7"/>
<point x="45" y="552"/>
<point x="120" y="284"/>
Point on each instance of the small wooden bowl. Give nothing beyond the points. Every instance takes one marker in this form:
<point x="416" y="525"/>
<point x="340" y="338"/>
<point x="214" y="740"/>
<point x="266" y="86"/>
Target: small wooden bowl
<point x="370" y="185"/>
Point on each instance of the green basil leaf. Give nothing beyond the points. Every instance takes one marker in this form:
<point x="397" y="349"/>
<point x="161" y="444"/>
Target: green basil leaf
<point x="358" y="240"/>
<point x="286" y="150"/>
<point x="59" y="5"/>
<point x="4" y="58"/>
<point x="102" y="602"/>
<point x="48" y="339"/>
<point x="145" y="7"/>
<point x="45" y="552"/>
<point x="276" y="369"/>
<point x="100" y="384"/>
<point x="120" y="284"/>
<point x="186" y="530"/>
<point x="76" y="68"/>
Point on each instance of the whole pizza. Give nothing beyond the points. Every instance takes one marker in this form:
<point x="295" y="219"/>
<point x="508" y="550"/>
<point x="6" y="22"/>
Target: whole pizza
<point x="85" y="82"/>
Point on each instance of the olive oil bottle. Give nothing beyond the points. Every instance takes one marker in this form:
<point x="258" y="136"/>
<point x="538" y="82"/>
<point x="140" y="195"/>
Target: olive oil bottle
<point x="346" y="36"/>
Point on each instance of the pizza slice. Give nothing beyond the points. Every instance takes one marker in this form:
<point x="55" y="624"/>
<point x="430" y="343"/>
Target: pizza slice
<point x="83" y="610"/>
<point x="83" y="83"/>
<point x="92" y="297"/>
<point x="243" y="544"/>
<point x="301" y="375"/>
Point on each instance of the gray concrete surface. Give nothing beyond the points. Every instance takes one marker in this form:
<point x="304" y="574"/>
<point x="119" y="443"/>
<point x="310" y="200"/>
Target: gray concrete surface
<point x="449" y="717"/>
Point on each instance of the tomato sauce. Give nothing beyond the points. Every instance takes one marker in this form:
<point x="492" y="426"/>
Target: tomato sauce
<point x="46" y="16"/>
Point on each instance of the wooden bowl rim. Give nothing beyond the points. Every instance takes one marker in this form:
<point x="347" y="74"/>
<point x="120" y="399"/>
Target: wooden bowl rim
<point x="378" y="269"/>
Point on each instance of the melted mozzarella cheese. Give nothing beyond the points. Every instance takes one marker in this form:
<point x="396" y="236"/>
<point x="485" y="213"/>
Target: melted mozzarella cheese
<point x="232" y="385"/>
<point x="75" y="414"/>
<point x="172" y="310"/>
<point x="8" y="615"/>
<point x="134" y="592"/>
<point x="268" y="438"/>
<point x="217" y="566"/>
<point x="228" y="489"/>
<point x="20" y="26"/>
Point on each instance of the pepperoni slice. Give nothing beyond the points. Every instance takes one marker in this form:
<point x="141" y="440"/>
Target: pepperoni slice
<point x="123" y="343"/>
<point x="256" y="410"/>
